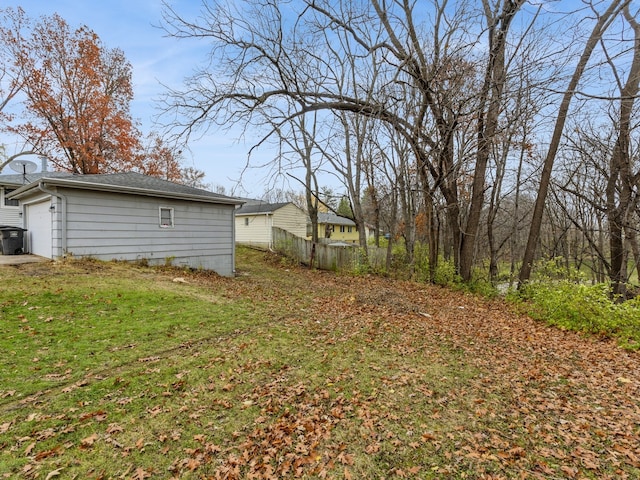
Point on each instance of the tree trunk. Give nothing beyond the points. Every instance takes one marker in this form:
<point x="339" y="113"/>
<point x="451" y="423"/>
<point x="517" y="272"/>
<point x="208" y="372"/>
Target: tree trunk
<point x="619" y="186"/>
<point x="487" y="125"/>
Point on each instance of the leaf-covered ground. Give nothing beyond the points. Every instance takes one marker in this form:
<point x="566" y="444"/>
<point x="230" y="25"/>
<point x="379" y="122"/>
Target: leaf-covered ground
<point x="330" y="376"/>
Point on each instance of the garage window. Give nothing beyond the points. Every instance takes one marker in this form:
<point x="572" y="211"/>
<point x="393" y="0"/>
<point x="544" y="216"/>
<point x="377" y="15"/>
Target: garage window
<point x="166" y="217"/>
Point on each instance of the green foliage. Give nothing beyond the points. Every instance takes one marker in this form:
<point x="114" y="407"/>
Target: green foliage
<point x="344" y="208"/>
<point x="445" y="273"/>
<point x="556" y="269"/>
<point x="480" y="286"/>
<point x="362" y="266"/>
<point x="584" y="308"/>
<point x="382" y="241"/>
<point x="328" y="197"/>
<point x="421" y="261"/>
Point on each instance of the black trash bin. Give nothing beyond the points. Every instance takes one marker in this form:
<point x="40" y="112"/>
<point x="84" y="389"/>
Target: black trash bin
<point x="11" y="240"/>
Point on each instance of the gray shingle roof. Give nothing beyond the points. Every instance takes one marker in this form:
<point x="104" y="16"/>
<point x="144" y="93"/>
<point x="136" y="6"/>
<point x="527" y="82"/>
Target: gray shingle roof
<point x="333" y="219"/>
<point x="130" y="182"/>
<point x="137" y="180"/>
<point x="253" y="208"/>
<point x="18" y="180"/>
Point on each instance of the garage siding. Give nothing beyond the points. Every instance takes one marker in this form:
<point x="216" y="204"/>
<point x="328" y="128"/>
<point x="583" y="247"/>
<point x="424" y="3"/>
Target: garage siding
<point x="110" y="226"/>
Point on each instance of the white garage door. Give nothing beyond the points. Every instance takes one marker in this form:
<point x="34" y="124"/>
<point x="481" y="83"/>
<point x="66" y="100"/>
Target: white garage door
<point x="38" y="225"/>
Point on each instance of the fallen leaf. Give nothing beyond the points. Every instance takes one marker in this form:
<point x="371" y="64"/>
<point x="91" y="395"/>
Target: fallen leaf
<point x="372" y="448"/>
<point x="53" y="473"/>
<point x="141" y="474"/>
<point x="29" y="449"/>
<point x="571" y="472"/>
<point x="90" y="440"/>
<point x="114" y="428"/>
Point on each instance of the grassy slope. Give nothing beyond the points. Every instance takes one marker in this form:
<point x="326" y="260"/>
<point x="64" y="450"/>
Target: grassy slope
<point x="114" y="371"/>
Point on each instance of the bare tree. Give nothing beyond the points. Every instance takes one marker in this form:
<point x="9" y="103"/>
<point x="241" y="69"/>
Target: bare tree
<point x="264" y="67"/>
<point x="301" y="138"/>
<point x="622" y="180"/>
<point x="490" y="103"/>
<point x="602" y="24"/>
<point x="580" y="190"/>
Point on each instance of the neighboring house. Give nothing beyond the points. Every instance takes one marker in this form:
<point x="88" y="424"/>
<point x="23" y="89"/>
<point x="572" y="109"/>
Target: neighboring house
<point x="9" y="208"/>
<point x="255" y="221"/>
<point x="10" y="213"/>
<point x="128" y="216"/>
<point x="336" y="228"/>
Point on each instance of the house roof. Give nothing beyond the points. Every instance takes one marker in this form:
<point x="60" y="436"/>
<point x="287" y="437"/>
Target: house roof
<point x="17" y="180"/>
<point x="333" y="219"/>
<point x="130" y="183"/>
<point x="260" y="208"/>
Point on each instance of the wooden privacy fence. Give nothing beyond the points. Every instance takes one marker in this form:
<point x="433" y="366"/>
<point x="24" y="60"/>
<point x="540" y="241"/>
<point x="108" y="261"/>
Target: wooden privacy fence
<point x="324" y="256"/>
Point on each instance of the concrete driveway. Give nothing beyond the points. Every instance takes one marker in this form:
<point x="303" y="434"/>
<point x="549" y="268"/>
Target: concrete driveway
<point x="20" y="259"/>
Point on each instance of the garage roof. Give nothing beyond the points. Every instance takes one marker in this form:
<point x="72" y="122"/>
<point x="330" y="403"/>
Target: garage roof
<point x="129" y="183"/>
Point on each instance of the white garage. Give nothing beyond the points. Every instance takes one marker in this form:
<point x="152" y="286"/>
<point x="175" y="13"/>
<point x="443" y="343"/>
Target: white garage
<point x="38" y="224"/>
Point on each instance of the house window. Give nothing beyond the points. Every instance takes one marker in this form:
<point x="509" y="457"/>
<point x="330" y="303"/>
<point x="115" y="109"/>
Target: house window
<point x="9" y="202"/>
<point x="342" y="228"/>
<point x="349" y="229"/>
<point x="246" y="221"/>
<point x="166" y="217"/>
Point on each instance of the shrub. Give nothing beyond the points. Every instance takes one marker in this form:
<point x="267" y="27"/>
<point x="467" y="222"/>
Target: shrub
<point x="445" y="273"/>
<point x="584" y="308"/>
<point x="362" y="266"/>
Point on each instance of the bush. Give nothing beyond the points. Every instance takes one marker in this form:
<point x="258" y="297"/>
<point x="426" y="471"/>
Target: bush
<point x="584" y="308"/>
<point x="362" y="266"/>
<point x="445" y="273"/>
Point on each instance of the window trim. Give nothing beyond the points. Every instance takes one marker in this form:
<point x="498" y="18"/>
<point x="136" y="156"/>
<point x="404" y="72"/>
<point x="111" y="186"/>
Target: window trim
<point x="171" y="217"/>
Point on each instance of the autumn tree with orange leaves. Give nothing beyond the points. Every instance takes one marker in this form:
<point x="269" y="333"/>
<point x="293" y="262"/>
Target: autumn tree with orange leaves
<point x="76" y="95"/>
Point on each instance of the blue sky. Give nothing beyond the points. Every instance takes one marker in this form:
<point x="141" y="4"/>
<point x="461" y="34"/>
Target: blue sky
<point x="131" y="25"/>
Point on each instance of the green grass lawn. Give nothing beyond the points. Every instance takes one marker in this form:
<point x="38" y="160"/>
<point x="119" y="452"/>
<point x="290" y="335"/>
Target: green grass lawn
<point x="116" y="371"/>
